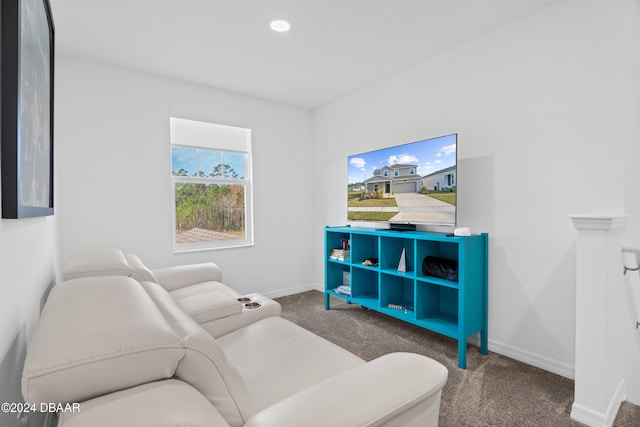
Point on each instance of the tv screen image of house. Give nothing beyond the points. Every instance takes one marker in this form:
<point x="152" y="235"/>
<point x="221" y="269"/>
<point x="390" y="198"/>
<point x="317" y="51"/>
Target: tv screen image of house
<point x="411" y="183"/>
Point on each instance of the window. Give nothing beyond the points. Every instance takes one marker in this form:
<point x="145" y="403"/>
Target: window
<point x="450" y="180"/>
<point x="386" y="173"/>
<point x="211" y="185"/>
<point x="396" y="172"/>
<point x="412" y="171"/>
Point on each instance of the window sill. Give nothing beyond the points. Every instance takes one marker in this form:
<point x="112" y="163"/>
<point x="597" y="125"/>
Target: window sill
<point x="208" y="247"/>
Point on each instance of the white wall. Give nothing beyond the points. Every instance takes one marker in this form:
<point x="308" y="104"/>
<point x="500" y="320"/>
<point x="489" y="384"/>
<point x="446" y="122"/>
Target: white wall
<point x="539" y="108"/>
<point x="114" y="185"/>
<point x="632" y="154"/>
<point x="27" y="262"/>
<point x="626" y="338"/>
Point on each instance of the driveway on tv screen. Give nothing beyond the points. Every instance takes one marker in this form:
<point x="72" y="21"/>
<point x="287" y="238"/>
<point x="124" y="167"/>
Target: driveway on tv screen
<point x="415" y="207"/>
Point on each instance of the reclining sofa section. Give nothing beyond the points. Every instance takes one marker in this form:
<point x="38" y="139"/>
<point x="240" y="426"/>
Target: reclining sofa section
<point x="197" y="288"/>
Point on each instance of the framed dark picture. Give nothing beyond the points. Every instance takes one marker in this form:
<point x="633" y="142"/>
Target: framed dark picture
<point x="27" y="108"/>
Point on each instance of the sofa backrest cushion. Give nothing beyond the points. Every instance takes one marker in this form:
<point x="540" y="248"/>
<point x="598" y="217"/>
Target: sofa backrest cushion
<point x="205" y="366"/>
<point x="139" y="271"/>
<point x="181" y="276"/>
<point x="97" y="262"/>
<point x="97" y="335"/>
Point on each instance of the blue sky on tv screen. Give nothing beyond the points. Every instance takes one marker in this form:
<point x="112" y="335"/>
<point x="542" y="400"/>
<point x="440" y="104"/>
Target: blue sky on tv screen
<point x="430" y="155"/>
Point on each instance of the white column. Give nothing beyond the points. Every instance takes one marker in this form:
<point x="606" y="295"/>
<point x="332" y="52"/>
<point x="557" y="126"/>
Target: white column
<point x="599" y="388"/>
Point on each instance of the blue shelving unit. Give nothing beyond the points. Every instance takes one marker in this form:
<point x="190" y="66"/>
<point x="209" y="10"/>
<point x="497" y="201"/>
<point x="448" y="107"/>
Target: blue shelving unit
<point x="455" y="309"/>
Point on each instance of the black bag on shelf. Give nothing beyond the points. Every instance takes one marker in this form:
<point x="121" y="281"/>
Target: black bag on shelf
<point x="440" y="267"/>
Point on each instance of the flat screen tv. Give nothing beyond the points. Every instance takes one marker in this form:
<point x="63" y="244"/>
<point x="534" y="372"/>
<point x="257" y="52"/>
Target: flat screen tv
<point x="412" y="183"/>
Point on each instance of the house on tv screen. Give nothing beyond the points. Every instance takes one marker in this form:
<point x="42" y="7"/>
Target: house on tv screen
<point x="398" y="178"/>
<point x="402" y="178"/>
<point x="442" y="180"/>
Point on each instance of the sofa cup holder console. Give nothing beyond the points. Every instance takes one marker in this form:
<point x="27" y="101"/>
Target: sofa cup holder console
<point x="248" y="302"/>
<point x="252" y="305"/>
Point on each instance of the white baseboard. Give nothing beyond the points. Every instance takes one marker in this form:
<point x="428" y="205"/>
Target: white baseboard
<point x="295" y="290"/>
<point x="533" y="359"/>
<point x="593" y="418"/>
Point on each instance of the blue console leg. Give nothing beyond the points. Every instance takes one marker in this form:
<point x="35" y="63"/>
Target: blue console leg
<point x="484" y="344"/>
<point x="326" y="301"/>
<point x="462" y="353"/>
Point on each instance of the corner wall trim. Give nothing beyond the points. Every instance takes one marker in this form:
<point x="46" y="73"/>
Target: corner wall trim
<point x="599" y="222"/>
<point x="595" y="419"/>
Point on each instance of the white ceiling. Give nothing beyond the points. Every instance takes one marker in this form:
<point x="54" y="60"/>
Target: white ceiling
<point x="334" y="47"/>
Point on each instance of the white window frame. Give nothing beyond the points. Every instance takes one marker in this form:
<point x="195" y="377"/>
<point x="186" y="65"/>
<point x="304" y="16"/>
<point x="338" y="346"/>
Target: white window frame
<point x="216" y="137"/>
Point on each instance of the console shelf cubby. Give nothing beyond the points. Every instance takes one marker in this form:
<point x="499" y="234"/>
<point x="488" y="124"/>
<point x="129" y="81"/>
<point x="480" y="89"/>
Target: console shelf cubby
<point x="454" y="309"/>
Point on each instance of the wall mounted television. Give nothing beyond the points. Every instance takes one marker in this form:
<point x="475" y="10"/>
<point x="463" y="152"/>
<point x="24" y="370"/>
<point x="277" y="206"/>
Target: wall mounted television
<point x="414" y="183"/>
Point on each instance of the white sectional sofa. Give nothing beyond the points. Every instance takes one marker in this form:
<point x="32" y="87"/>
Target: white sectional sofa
<point x="129" y="355"/>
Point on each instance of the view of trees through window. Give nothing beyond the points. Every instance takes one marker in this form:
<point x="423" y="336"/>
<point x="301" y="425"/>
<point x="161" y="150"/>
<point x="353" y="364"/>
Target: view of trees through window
<point x="212" y="207"/>
<point x="209" y="194"/>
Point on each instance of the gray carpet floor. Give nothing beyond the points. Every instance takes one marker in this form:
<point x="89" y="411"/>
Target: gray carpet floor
<point x="493" y="391"/>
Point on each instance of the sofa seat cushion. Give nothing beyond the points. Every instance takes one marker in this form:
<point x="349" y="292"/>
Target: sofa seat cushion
<point x="167" y="403"/>
<point x="277" y="358"/>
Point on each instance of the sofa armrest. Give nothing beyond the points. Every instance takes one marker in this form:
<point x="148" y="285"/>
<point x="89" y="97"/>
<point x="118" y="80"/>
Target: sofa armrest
<point x="180" y="276"/>
<point x="398" y="389"/>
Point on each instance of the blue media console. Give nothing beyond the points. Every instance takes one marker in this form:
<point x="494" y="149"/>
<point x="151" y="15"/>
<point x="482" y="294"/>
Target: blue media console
<point x="455" y="309"/>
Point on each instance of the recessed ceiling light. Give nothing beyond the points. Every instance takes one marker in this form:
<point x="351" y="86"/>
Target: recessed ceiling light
<point x="280" y="26"/>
